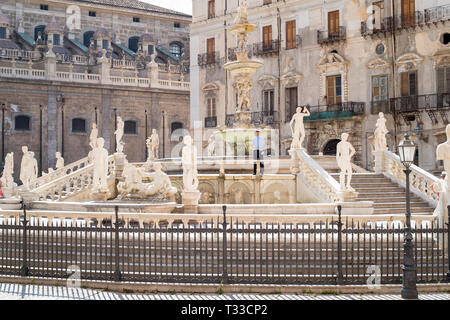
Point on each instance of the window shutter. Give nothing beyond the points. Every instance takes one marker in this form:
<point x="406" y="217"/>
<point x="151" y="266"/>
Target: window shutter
<point x="404" y="84"/>
<point x="333" y="23"/>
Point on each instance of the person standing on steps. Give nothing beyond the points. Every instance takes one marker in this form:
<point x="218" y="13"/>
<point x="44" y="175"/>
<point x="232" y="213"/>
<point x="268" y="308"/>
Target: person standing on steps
<point x="259" y="145"/>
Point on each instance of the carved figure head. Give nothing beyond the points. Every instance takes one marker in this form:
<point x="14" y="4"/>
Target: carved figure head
<point x="24" y="149"/>
<point x="187" y="140"/>
<point x="100" y="142"/>
<point x="344" y="136"/>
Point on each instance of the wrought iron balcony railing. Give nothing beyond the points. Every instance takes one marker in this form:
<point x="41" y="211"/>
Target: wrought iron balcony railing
<point x="295" y="43"/>
<point x="258" y="118"/>
<point x="397" y="23"/>
<point x="379" y="106"/>
<point x="331" y="111"/>
<point x="324" y="37"/>
<point x="211" y="122"/>
<point x="266" y="48"/>
<point x="208" y="59"/>
<point x="232" y="53"/>
<point x="426" y="102"/>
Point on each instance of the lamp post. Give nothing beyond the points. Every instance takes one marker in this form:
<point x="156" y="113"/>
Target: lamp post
<point x="406" y="151"/>
<point x="2" y="164"/>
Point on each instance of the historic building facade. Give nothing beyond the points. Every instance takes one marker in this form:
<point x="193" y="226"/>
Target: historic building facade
<point x="65" y="65"/>
<point x="345" y="60"/>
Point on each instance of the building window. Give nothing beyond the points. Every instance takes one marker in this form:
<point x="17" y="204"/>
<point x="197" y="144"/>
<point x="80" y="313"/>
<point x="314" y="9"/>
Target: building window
<point x="175" y="49"/>
<point x="379" y="88"/>
<point x="334" y="89"/>
<point x="87" y="38"/>
<point x="151" y="49"/>
<point x="408" y="13"/>
<point x="443" y="80"/>
<point x="445" y="38"/>
<point x="175" y="126"/>
<point x="211" y="107"/>
<point x="41" y="30"/>
<point x="133" y="44"/>
<point x="130" y="127"/>
<point x="22" y="123"/>
<point x="44" y="7"/>
<point x="211" y="9"/>
<point x="268" y="102"/>
<point x="408" y="83"/>
<point x="2" y="33"/>
<point x="105" y="44"/>
<point x="176" y="25"/>
<point x="56" y="39"/>
<point x="267" y="37"/>
<point x="210" y="47"/>
<point x="79" y="125"/>
<point x="291" y="35"/>
<point x="333" y="23"/>
<point x="136" y="19"/>
<point x="92" y="14"/>
<point x="291" y="101"/>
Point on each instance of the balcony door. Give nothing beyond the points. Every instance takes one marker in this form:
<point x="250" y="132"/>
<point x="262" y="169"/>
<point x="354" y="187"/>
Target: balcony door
<point x="267" y="38"/>
<point x="409" y="100"/>
<point x="333" y="24"/>
<point x="380" y="94"/>
<point x="291" y="36"/>
<point x="334" y="90"/>
<point x="210" y="49"/>
<point x="408" y="13"/>
<point x="291" y="102"/>
<point x="443" y="87"/>
<point x="269" y="107"/>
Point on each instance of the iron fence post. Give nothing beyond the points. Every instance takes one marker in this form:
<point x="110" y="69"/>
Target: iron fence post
<point x="340" y="276"/>
<point x="224" y="238"/>
<point x="448" y="243"/>
<point x="117" y="273"/>
<point x="25" y="270"/>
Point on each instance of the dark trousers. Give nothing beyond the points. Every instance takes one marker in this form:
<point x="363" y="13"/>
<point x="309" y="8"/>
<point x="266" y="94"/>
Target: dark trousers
<point x="257" y="155"/>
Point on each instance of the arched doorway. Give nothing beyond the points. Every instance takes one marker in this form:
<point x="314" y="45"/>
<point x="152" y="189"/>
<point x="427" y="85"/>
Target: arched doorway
<point x="330" y="147"/>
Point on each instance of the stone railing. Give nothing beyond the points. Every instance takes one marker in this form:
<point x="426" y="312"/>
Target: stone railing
<point x="421" y="181"/>
<point x="319" y="181"/>
<point x="123" y="63"/>
<point x="33" y="74"/>
<point x="70" y="184"/>
<point x="16" y="54"/>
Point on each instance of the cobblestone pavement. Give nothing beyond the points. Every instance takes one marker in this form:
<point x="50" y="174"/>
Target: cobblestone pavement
<point x="10" y="291"/>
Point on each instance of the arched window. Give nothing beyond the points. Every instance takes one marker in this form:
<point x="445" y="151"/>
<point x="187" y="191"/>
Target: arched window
<point x="22" y="123"/>
<point x="78" y="125"/>
<point x="87" y="38"/>
<point x="130" y="127"/>
<point x="40" y="29"/>
<point x="133" y="44"/>
<point x="175" y="126"/>
<point x="330" y="148"/>
<point x="175" y="49"/>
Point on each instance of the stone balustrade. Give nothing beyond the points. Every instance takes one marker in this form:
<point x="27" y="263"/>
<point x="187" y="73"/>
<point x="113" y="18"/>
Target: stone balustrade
<point x="421" y="181"/>
<point x="16" y="54"/>
<point x="123" y="63"/>
<point x="33" y="74"/>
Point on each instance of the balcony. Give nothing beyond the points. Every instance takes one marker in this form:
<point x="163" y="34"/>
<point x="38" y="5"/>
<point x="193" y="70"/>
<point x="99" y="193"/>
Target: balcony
<point x="297" y="42"/>
<point x="379" y="106"/>
<point x="211" y="122"/>
<point x="209" y="59"/>
<point x="420" y="19"/>
<point x="426" y="102"/>
<point x="232" y="53"/>
<point x="326" y="37"/>
<point x="259" y="118"/>
<point x="266" y="48"/>
<point x="332" y="111"/>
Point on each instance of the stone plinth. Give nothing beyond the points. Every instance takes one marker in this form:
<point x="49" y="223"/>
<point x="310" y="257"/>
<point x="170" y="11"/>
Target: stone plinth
<point x="379" y="161"/>
<point x="100" y="196"/>
<point x="190" y="201"/>
<point x="347" y="196"/>
<point x="119" y="164"/>
<point x="243" y="119"/>
<point x="9" y="192"/>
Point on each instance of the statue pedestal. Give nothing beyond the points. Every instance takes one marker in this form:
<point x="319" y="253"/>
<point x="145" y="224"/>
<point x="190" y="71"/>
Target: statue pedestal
<point x="379" y="161"/>
<point x="100" y="196"/>
<point x="243" y="119"/>
<point x="347" y="196"/>
<point x="28" y="196"/>
<point x="190" y="201"/>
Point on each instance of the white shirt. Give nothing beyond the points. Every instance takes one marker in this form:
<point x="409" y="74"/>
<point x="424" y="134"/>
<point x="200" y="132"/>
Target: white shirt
<point x="258" y="143"/>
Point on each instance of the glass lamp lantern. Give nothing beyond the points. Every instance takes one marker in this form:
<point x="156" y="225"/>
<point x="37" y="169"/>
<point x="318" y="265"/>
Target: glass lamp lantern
<point x="406" y="151"/>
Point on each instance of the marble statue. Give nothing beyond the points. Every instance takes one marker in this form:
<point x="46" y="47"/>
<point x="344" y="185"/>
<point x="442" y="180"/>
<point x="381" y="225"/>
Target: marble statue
<point x="244" y="96"/>
<point x="189" y="160"/>
<point x="211" y="146"/>
<point x="154" y="144"/>
<point x="100" y="162"/>
<point x="132" y="187"/>
<point x="443" y="153"/>
<point x="242" y="15"/>
<point x="344" y="153"/>
<point x="28" y="170"/>
<point x="380" y="133"/>
<point x="119" y="135"/>
<point x="35" y="166"/>
<point x="298" y="131"/>
<point x="8" y="171"/>
<point x="93" y="137"/>
<point x="59" y="161"/>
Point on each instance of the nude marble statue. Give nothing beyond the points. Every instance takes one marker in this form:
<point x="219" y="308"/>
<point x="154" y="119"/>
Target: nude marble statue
<point x="59" y="161"/>
<point x="28" y="169"/>
<point x="380" y="133"/>
<point x="93" y="137"/>
<point x="298" y="131"/>
<point x="344" y="153"/>
<point x="189" y="160"/>
<point x="8" y="171"/>
<point x="119" y="135"/>
<point x="100" y="162"/>
<point x="443" y="153"/>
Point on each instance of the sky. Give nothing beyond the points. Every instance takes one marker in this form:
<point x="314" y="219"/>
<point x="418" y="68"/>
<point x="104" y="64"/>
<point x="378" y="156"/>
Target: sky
<point x="184" y="6"/>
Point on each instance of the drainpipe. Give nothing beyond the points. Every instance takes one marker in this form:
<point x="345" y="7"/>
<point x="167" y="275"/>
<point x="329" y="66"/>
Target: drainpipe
<point x="394" y="73"/>
<point x="279" y="81"/>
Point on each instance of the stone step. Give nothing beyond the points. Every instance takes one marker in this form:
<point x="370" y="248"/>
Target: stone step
<point x="402" y="205"/>
<point x="381" y="190"/>
<point x="373" y="184"/>
<point x="416" y="211"/>
<point x="386" y="199"/>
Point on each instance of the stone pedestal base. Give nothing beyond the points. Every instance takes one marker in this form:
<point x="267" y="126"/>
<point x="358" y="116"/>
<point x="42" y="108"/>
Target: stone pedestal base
<point x="347" y="196"/>
<point x="100" y="196"/>
<point x="379" y="161"/>
<point x="119" y="164"/>
<point x="28" y="197"/>
<point x="190" y="201"/>
<point x="243" y="119"/>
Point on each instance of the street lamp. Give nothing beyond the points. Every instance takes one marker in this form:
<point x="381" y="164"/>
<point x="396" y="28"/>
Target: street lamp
<point x="406" y="151"/>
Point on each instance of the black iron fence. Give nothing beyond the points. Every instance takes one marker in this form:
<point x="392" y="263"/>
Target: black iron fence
<point x="332" y="252"/>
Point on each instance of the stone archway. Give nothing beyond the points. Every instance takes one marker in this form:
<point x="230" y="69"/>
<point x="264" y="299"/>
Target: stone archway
<point x="330" y="147"/>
